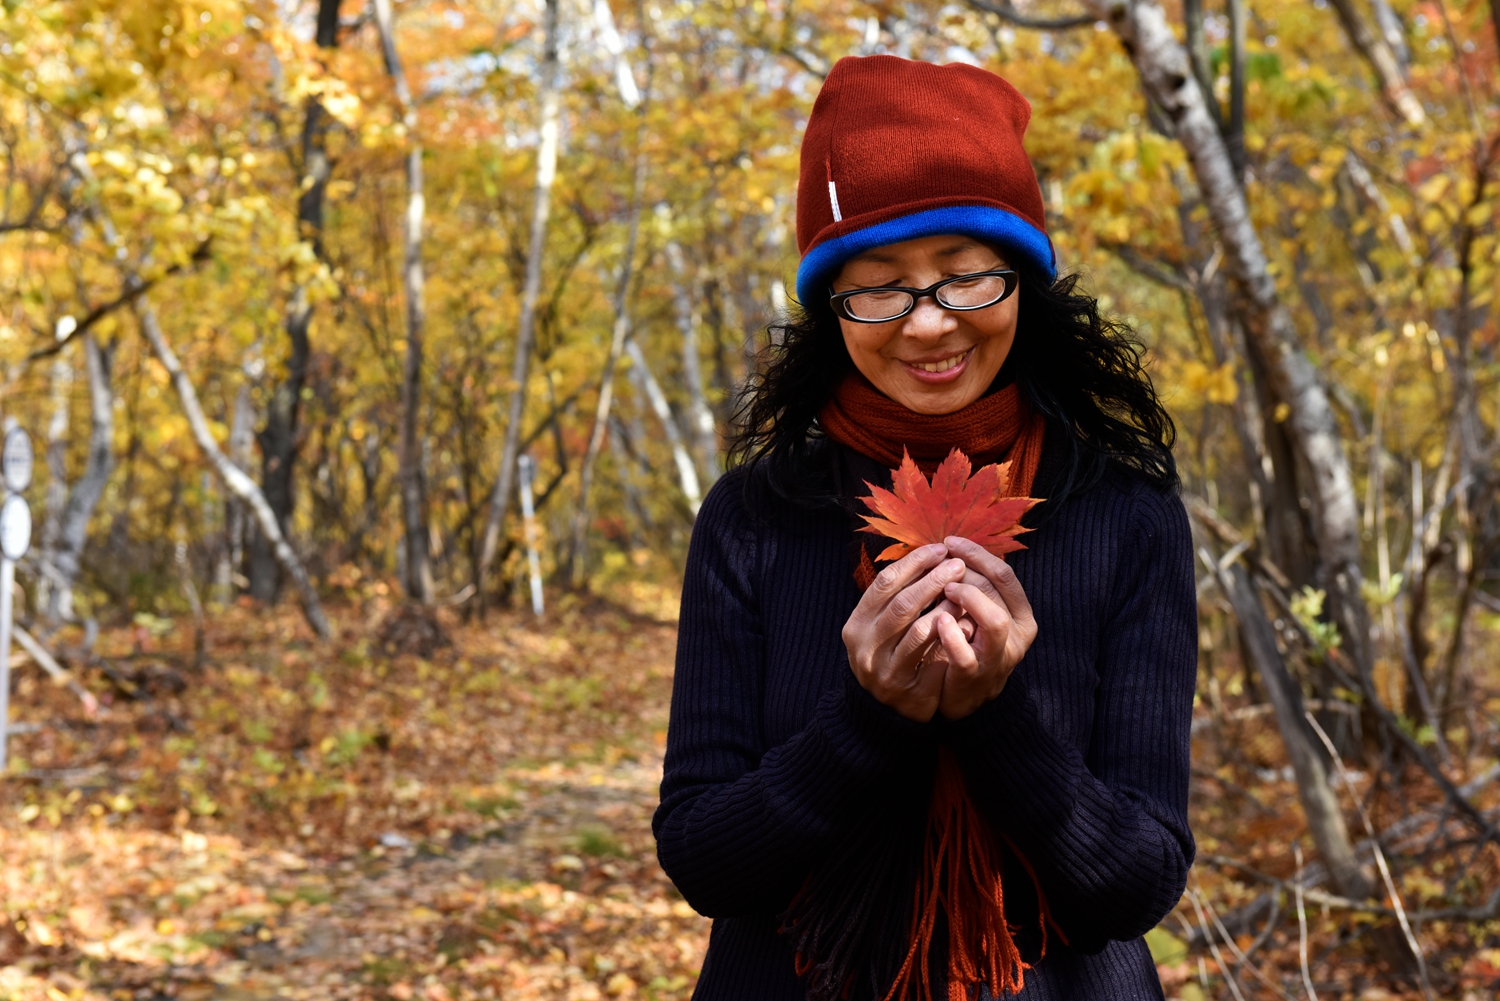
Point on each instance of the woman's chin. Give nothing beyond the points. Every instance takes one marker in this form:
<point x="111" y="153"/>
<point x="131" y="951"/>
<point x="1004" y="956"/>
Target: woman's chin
<point x="926" y="399"/>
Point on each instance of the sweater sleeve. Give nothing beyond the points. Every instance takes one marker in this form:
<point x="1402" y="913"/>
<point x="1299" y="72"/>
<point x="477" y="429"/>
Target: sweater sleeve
<point x="1106" y="830"/>
<point x="740" y="825"/>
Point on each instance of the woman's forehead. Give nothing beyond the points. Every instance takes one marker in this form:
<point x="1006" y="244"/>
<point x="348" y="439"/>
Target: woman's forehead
<point x="939" y="247"/>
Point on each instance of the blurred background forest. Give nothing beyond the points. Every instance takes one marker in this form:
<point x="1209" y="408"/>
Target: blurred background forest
<point x="303" y="301"/>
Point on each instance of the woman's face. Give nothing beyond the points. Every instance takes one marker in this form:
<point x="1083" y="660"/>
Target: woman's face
<point x="932" y="360"/>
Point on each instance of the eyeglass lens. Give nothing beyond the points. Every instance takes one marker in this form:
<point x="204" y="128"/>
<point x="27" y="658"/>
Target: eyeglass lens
<point x="969" y="293"/>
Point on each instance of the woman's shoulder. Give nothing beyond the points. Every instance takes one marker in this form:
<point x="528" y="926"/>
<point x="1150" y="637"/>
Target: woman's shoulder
<point x="724" y="510"/>
<point x="1150" y="503"/>
<point x="751" y="501"/>
<point x="1125" y="503"/>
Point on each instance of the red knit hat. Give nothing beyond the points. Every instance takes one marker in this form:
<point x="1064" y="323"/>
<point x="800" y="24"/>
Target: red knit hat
<point x="897" y="149"/>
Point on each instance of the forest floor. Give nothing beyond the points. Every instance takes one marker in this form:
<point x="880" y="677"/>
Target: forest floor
<point x="392" y="816"/>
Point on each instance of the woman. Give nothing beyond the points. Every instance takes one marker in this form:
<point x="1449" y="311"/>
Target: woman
<point x="965" y="777"/>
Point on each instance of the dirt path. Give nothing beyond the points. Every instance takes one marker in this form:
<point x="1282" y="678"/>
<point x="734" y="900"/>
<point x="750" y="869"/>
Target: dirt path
<point x="451" y="879"/>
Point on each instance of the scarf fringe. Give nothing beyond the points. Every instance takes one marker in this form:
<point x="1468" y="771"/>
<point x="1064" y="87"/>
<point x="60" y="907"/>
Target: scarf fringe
<point x="960" y="878"/>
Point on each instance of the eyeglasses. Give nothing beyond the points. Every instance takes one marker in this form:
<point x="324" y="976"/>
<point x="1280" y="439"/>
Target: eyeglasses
<point x="964" y="292"/>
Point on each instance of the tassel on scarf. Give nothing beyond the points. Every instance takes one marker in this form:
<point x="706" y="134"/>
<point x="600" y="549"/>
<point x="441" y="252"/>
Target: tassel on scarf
<point x="960" y="879"/>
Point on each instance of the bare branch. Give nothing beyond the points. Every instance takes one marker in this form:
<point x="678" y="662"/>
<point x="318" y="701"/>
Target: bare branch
<point x="1382" y="60"/>
<point x="32" y="219"/>
<point x="135" y="287"/>
<point x="1008" y="13"/>
<point x="1160" y="272"/>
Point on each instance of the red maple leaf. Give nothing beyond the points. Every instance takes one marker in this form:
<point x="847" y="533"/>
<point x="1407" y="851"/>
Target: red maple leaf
<point x="954" y="503"/>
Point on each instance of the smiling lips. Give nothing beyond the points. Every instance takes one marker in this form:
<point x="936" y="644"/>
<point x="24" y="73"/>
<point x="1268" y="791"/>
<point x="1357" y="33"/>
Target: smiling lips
<point x="941" y="370"/>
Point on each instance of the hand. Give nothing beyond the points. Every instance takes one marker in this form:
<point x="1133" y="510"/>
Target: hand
<point x="975" y="669"/>
<point x="965" y="624"/>
<point x="887" y="635"/>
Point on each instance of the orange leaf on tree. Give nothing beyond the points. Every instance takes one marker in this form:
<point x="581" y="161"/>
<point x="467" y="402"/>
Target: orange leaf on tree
<point x="953" y="503"/>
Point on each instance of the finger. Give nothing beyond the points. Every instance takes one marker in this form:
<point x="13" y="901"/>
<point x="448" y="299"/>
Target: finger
<point x="893" y="579"/>
<point x="915" y="599"/>
<point x="999" y="572"/>
<point x="917" y="641"/>
<point x="992" y="617"/>
<point x="961" y="656"/>
<point x="965" y="623"/>
<point x="930" y="677"/>
<point x="979" y="580"/>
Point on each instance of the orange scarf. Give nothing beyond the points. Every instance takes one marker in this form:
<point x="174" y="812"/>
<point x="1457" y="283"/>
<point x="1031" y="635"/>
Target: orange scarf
<point x="961" y="854"/>
<point x="993" y="427"/>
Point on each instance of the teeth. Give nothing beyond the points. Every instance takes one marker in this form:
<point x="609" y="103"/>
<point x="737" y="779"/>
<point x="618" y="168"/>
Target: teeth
<point x="941" y="366"/>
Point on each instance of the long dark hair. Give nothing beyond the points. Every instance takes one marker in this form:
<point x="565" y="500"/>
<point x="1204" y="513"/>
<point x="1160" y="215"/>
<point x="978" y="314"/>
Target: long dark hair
<point x="1080" y="369"/>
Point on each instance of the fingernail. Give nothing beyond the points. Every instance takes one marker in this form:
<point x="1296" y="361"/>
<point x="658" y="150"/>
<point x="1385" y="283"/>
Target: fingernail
<point x="936" y="547"/>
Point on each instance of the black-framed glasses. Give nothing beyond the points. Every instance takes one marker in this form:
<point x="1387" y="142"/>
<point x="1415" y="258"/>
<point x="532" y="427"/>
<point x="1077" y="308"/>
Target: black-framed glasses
<point x="963" y="292"/>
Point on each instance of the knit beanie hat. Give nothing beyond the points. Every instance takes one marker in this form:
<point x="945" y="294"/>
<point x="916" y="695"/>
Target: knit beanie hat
<point x="896" y="150"/>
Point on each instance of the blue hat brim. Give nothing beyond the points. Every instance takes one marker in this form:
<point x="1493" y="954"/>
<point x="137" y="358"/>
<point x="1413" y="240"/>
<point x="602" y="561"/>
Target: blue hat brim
<point x="982" y="222"/>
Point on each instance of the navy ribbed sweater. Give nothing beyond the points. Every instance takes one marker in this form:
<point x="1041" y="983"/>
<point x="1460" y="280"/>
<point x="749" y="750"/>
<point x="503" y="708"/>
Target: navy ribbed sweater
<point x="775" y="753"/>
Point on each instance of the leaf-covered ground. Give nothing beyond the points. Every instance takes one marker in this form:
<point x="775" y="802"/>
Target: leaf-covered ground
<point x="306" y="822"/>
<point x="472" y="820"/>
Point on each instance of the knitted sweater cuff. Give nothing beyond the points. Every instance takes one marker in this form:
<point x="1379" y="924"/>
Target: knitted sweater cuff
<point x="873" y="735"/>
<point x="1007" y="729"/>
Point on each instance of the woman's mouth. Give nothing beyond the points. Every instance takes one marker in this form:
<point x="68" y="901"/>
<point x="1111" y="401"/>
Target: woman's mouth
<point x="940" y="369"/>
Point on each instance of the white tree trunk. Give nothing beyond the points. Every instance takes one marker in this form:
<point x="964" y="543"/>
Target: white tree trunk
<point x="69" y="510"/>
<point x="73" y="524"/>
<point x="57" y="485"/>
<point x="1163" y="65"/>
<point x="700" y="418"/>
<point x="578" y="553"/>
<point x="1388" y="65"/>
<point x="648" y="387"/>
<point x="1324" y="818"/>
<point x="546" y="173"/>
<point x="604" y="26"/>
<point x="234" y="479"/>
<point x="419" y="583"/>
<point x="241" y="440"/>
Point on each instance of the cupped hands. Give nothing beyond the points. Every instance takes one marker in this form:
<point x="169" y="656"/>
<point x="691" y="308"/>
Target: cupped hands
<point x="940" y="630"/>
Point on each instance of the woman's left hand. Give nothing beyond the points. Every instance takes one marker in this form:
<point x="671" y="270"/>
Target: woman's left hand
<point x="1004" y="629"/>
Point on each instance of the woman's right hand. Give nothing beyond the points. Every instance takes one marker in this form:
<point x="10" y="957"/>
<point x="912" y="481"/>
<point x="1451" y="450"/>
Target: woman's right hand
<point x="888" y="635"/>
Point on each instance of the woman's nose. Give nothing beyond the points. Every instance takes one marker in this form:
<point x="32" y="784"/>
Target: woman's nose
<point x="928" y="320"/>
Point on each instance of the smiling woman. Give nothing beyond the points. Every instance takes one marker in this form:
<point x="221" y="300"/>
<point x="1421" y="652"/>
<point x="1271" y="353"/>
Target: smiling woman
<point x="934" y="349"/>
<point x="859" y="765"/>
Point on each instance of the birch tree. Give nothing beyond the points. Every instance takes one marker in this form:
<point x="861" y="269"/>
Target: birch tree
<point x="546" y="173"/>
<point x="64" y="557"/>
<point x="55" y="453"/>
<point x="1292" y="378"/>
<point x="418" y="560"/>
<point x="1378" y="51"/>
<point x="648" y="388"/>
<point x="700" y="418"/>
<point x="234" y="479"/>
<point x="630" y="95"/>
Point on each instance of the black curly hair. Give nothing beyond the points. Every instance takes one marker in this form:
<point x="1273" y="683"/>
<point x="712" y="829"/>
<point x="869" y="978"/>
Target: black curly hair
<point x="1080" y="369"/>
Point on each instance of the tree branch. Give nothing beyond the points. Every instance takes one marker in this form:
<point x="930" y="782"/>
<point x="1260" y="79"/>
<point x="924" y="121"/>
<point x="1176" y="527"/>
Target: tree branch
<point x="1157" y="271"/>
<point x="1006" y="12"/>
<point x="135" y="287"/>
